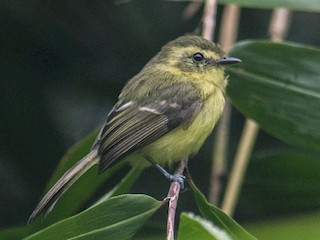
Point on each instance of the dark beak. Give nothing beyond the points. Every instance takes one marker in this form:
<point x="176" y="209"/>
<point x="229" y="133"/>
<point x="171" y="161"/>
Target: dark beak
<point x="228" y="61"/>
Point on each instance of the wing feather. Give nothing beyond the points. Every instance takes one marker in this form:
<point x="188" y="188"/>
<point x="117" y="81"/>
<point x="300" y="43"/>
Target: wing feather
<point x="148" y="129"/>
<point x="130" y="126"/>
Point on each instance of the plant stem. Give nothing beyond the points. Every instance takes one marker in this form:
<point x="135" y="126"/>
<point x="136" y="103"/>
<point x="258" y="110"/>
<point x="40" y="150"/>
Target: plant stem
<point x="279" y="24"/>
<point x="247" y="141"/>
<point x="191" y="10"/>
<point x="173" y="194"/>
<point x="228" y="35"/>
<point x="278" y="28"/>
<point x="229" y="26"/>
<point x="209" y="19"/>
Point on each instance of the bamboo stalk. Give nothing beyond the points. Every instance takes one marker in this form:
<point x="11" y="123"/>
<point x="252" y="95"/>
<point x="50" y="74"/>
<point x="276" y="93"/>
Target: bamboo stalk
<point x="246" y="144"/>
<point x="209" y="19"/>
<point x="278" y="28"/>
<point x="228" y="35"/>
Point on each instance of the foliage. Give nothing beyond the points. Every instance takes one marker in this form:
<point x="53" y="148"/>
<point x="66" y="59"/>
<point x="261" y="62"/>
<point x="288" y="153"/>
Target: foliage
<point x="282" y="100"/>
<point x="52" y="66"/>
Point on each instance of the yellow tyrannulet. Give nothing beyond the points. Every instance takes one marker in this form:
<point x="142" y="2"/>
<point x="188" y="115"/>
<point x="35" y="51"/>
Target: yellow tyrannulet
<point x="163" y="114"/>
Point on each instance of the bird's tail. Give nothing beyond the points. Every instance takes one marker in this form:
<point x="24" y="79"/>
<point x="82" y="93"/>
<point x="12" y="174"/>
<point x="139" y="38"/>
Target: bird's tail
<point x="51" y="198"/>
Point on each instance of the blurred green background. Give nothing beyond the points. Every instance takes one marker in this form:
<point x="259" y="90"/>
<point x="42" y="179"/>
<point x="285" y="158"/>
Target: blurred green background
<point x="62" y="66"/>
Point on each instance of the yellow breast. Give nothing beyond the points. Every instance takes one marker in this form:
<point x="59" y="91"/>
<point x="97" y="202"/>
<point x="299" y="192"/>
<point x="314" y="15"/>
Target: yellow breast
<point x="181" y="142"/>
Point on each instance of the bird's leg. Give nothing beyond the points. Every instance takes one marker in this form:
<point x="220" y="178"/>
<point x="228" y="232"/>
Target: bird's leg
<point x="172" y="177"/>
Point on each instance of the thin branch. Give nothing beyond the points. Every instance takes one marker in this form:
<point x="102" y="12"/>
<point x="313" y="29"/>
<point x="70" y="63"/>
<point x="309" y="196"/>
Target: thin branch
<point x="228" y="35"/>
<point x="279" y="24"/>
<point x="173" y="194"/>
<point x="172" y="197"/>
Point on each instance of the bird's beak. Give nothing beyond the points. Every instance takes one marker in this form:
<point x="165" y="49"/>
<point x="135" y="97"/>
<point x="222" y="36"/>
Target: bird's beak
<point x="228" y="61"/>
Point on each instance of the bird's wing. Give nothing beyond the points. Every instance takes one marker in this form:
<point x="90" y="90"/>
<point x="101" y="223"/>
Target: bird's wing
<point x="131" y="126"/>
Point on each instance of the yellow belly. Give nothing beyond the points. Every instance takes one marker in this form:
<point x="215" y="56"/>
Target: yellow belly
<point x="180" y="142"/>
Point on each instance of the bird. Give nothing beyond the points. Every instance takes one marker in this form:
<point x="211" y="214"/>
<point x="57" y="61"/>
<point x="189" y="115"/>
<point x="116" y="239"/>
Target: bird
<point x="163" y="114"/>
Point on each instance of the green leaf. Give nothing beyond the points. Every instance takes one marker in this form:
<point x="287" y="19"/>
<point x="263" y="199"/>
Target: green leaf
<point x="219" y="218"/>
<point x="304" y="227"/>
<point x="152" y="230"/>
<point x="16" y="232"/>
<point x="83" y="189"/>
<point x="119" y="217"/>
<point x="125" y="184"/>
<point x="80" y="192"/>
<point x="278" y="85"/>
<point x="193" y="227"/>
<point x="73" y="155"/>
<point x="281" y="182"/>
<point x="306" y="5"/>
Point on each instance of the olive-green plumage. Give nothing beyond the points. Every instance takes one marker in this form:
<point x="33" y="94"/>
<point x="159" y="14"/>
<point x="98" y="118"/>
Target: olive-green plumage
<point x="164" y="113"/>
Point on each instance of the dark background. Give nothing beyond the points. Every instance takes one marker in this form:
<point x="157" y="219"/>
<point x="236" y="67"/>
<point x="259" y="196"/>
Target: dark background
<point x="62" y="66"/>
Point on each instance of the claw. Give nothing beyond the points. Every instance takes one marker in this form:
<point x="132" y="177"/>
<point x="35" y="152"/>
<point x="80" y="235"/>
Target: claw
<point x="172" y="177"/>
<point x="178" y="178"/>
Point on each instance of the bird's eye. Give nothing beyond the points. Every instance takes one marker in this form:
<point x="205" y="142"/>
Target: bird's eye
<point x="197" y="57"/>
